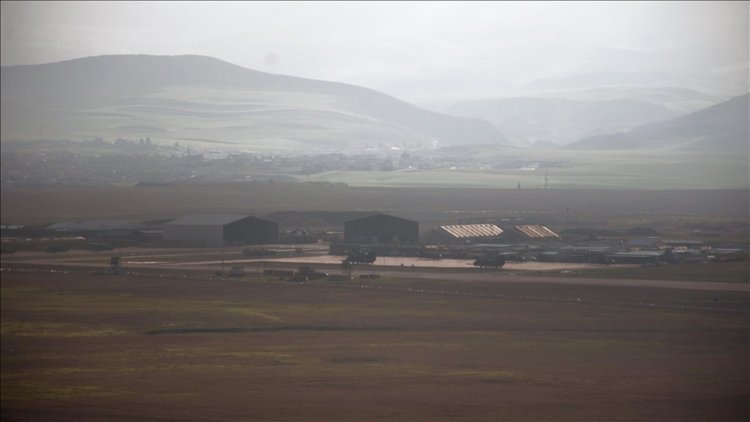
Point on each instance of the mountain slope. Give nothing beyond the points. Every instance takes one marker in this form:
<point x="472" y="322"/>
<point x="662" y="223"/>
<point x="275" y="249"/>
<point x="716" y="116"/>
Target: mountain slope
<point x="196" y="97"/>
<point x="527" y="121"/>
<point x="568" y="116"/>
<point x="722" y="127"/>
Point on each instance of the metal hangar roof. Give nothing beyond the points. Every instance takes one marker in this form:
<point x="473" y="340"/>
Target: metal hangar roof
<point x="473" y="230"/>
<point x="536" y="231"/>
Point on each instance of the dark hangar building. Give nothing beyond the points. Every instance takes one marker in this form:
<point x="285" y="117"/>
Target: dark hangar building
<point x="381" y="228"/>
<point x="221" y="229"/>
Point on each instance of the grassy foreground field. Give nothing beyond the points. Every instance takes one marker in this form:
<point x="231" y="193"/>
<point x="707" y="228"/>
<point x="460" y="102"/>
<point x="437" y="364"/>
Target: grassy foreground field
<point x="187" y="346"/>
<point x="731" y="272"/>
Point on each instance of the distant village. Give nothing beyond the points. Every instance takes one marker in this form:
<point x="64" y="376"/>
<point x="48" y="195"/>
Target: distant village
<point x="143" y="161"/>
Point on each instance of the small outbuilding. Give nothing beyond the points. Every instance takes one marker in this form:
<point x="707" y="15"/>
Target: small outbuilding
<point x="221" y="229"/>
<point x="381" y="228"/>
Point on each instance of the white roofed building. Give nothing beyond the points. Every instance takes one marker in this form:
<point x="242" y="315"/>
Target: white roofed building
<point x="470" y="232"/>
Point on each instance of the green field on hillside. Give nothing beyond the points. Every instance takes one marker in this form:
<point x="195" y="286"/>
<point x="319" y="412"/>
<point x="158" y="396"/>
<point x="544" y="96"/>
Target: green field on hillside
<point x="577" y="169"/>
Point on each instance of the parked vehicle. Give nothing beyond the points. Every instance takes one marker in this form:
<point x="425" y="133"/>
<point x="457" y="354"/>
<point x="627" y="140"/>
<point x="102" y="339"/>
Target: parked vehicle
<point x="490" y="261"/>
<point x="258" y="252"/>
<point x="361" y="257"/>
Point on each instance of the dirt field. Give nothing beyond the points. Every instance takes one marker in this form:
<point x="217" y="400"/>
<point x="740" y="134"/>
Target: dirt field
<point x="177" y="345"/>
<point x="598" y="207"/>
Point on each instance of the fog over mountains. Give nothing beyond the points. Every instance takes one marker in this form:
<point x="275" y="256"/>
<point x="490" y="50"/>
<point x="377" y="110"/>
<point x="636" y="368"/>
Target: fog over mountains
<point x="723" y="128"/>
<point x="562" y="117"/>
<point x="201" y="98"/>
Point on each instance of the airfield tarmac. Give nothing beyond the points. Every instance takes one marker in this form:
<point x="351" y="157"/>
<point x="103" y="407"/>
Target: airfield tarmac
<point x="311" y="255"/>
<point x="215" y="259"/>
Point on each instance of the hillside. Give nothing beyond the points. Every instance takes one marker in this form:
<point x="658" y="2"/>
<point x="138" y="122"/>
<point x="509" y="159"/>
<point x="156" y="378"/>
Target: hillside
<point x="561" y="117"/>
<point x="722" y="127"/>
<point x="202" y="99"/>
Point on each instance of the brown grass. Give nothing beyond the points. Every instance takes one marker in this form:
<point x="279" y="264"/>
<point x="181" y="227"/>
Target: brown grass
<point x="78" y="347"/>
<point x="591" y="207"/>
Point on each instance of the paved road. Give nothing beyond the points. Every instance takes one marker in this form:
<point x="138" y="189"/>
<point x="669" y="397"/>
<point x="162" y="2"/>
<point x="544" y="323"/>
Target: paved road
<point x="196" y="260"/>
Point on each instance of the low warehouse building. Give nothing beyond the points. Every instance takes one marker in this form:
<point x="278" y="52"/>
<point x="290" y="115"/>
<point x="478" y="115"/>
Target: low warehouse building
<point x="221" y="229"/>
<point x="381" y="228"/>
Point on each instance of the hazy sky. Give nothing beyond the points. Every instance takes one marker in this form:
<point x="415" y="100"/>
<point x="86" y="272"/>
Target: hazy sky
<point x="418" y="51"/>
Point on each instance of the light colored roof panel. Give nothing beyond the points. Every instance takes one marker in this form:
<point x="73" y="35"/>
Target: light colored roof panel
<point x="536" y="231"/>
<point x="473" y="230"/>
<point x="208" y="219"/>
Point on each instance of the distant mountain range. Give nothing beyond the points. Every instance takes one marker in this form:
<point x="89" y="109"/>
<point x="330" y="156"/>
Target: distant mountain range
<point x="562" y="117"/>
<point x="202" y="99"/>
<point x="722" y="127"/>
